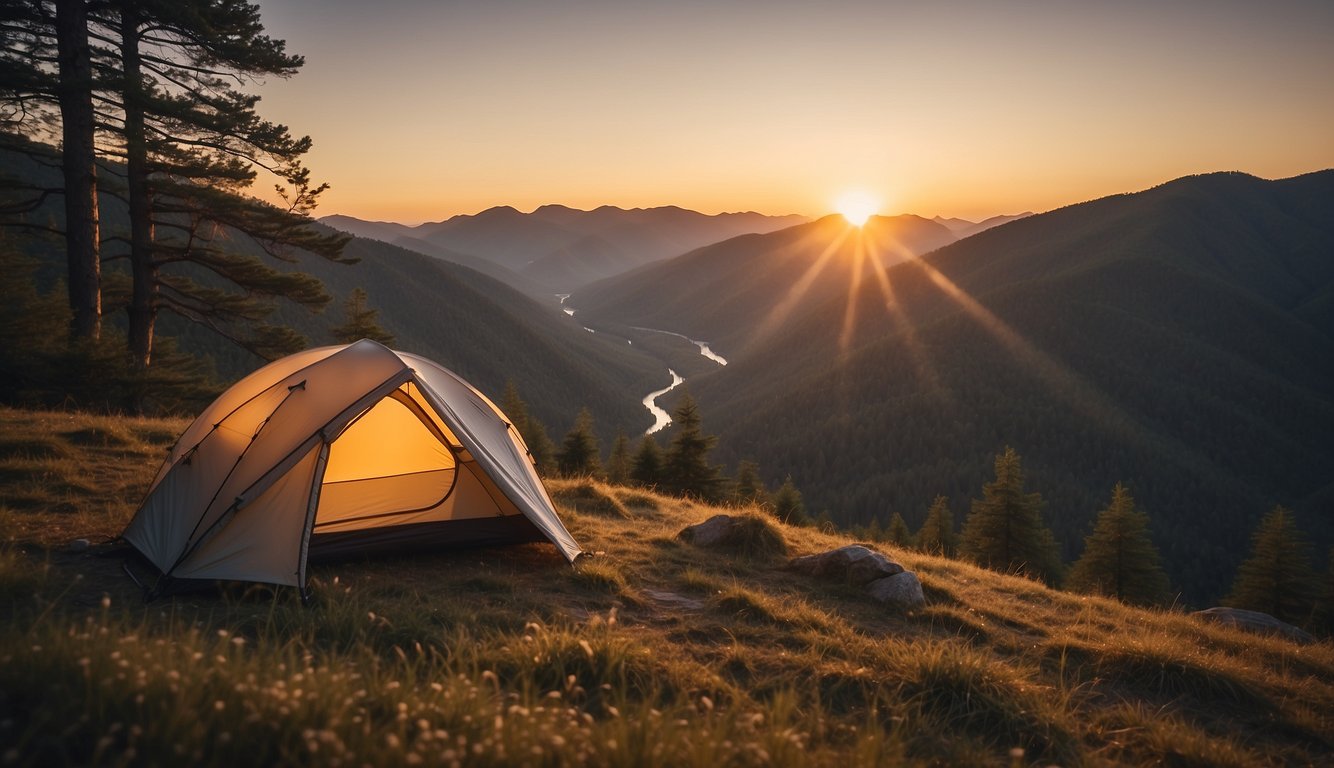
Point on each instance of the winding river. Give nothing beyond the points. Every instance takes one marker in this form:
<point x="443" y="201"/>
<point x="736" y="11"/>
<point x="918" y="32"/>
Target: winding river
<point x="661" y="419"/>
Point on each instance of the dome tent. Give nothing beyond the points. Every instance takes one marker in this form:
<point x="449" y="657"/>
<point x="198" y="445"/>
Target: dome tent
<point x="334" y="452"/>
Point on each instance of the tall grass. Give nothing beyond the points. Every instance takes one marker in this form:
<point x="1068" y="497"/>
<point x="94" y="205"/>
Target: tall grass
<point x="653" y="653"/>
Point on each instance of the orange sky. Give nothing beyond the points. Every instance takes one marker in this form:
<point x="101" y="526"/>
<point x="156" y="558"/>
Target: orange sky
<point x="422" y="109"/>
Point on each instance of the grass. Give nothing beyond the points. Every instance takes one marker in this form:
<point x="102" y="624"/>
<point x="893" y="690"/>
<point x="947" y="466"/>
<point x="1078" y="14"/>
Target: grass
<point x="655" y="652"/>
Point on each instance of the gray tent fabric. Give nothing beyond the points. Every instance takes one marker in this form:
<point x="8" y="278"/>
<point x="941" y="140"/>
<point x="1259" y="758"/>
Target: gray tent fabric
<point x="338" y="450"/>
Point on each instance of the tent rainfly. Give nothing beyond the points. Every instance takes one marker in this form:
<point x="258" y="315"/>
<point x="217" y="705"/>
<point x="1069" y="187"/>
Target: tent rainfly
<point x="340" y="451"/>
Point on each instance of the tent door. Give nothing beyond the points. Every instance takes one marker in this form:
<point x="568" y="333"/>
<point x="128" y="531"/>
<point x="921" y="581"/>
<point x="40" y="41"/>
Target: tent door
<point x="388" y="465"/>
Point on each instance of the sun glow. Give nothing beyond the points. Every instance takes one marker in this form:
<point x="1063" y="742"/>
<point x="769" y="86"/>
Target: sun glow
<point x="856" y="207"/>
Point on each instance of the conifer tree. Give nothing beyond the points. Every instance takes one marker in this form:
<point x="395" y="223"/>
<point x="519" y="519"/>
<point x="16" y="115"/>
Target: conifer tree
<point x="359" y="322"/>
<point x="897" y="531"/>
<point x="936" y="536"/>
<point x="788" y="505"/>
<point x="1277" y="578"/>
<point x="1119" y="558"/>
<point x="748" y="488"/>
<point x="1005" y="531"/>
<point x="618" y="463"/>
<point x="646" y="467"/>
<point x="579" y="453"/>
<point x="47" y="78"/>
<point x="530" y="429"/>
<point x="686" y="468"/>
<point x="192" y="143"/>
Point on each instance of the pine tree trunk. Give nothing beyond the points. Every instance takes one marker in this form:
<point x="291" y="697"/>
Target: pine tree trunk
<point x="143" y="299"/>
<point x="80" y="169"/>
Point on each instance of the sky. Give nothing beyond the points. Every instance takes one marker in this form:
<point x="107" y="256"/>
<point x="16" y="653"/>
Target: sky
<point x="421" y="109"/>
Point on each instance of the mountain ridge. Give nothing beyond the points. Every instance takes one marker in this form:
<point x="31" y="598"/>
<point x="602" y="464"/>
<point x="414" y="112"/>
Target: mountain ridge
<point x="1152" y="338"/>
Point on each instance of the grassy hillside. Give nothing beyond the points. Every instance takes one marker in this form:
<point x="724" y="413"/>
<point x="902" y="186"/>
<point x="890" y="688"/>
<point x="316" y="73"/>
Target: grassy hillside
<point x="651" y="653"/>
<point x="1177" y="340"/>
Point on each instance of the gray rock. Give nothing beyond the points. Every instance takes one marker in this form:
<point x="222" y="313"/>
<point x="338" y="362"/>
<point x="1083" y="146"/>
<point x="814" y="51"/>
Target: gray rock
<point x="1254" y="621"/>
<point x="902" y="589"/>
<point x="79" y="545"/>
<point x="854" y="564"/>
<point x="718" y="530"/>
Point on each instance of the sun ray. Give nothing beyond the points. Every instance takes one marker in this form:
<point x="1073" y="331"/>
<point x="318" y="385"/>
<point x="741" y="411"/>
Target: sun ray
<point x="1062" y="383"/>
<point x="798" y="290"/>
<point x="854" y="290"/>
<point x="917" y="356"/>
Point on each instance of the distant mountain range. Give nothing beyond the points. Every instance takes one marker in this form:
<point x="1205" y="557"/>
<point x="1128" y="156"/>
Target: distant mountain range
<point x="1180" y="340"/>
<point x="963" y="228"/>
<point x="556" y="249"/>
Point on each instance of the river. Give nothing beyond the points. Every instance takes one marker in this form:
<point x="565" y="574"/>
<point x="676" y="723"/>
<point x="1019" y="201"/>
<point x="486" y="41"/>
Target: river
<point x="661" y="419"/>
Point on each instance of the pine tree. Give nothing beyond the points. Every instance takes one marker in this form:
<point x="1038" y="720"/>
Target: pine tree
<point x="618" y="463"/>
<point x="47" y="79"/>
<point x="646" y="467"/>
<point x="1004" y="530"/>
<point x="748" y="488"/>
<point x="686" y="468"/>
<point x="897" y="532"/>
<point x="1277" y="578"/>
<point x="359" y="322"/>
<point x="1119" y="558"/>
<point x="788" y="504"/>
<point x="579" y="453"/>
<point x="936" y="536"/>
<point x="191" y="145"/>
<point x="529" y="428"/>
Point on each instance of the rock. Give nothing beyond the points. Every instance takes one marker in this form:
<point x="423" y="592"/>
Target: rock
<point x="854" y="564"/>
<point x="718" y="530"/>
<point x="902" y="589"/>
<point x="79" y="545"/>
<point x="1254" y="621"/>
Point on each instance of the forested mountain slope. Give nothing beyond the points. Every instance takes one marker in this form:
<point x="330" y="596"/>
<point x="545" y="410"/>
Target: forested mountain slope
<point x="1177" y="339"/>
<point x="743" y="289"/>
<point x="470" y="322"/>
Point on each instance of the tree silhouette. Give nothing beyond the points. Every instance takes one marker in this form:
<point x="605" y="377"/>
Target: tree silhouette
<point x="359" y="322"/>
<point x="788" y="505"/>
<point x="937" y="533"/>
<point x="530" y="429"/>
<point x="579" y="452"/>
<point x="897" y="531"/>
<point x="748" y="488"/>
<point x="646" y="467"/>
<point x="1119" y="558"/>
<point x="1004" y="530"/>
<point x="47" y="78"/>
<point x="192" y="143"/>
<point x="1277" y="578"/>
<point x="618" y="464"/>
<point x="686" y="467"/>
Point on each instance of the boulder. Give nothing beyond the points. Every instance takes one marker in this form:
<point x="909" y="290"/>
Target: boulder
<point x="1254" y="621"/>
<point x="902" y="589"/>
<point x="719" y="530"/>
<point x="854" y="564"/>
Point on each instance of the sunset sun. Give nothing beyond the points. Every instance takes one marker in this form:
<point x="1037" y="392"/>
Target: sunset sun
<point x="856" y="207"/>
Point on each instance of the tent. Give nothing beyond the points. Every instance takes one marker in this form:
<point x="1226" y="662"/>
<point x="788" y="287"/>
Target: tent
<point x="334" y="452"/>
